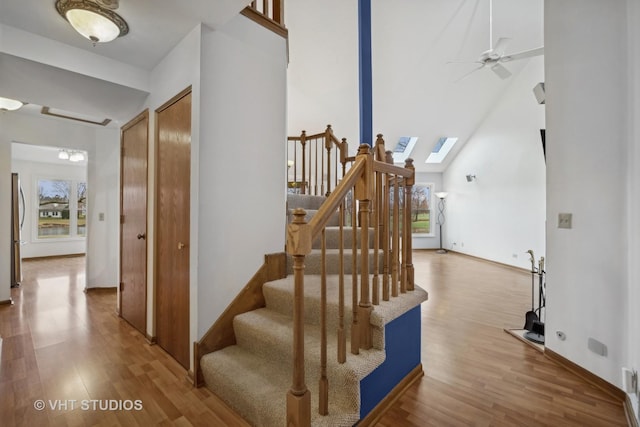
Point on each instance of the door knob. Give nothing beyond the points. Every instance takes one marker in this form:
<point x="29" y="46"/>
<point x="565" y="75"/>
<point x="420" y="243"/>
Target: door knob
<point x="142" y="236"/>
<point x="180" y="246"/>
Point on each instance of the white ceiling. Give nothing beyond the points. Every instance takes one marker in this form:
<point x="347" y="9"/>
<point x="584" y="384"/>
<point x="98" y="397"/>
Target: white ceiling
<point x="155" y="26"/>
<point x="413" y="40"/>
<point x="36" y="44"/>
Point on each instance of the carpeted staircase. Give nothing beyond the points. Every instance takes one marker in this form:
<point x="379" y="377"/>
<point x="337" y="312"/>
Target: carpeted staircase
<point x="254" y="375"/>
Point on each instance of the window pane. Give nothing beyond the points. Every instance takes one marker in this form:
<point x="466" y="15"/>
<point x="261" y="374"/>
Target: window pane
<point x="420" y="209"/>
<point x="82" y="209"/>
<point x="53" y="209"/>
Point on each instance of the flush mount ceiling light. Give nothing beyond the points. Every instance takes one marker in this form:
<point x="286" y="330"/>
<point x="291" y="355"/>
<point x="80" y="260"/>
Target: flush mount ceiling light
<point x="95" y="20"/>
<point x="71" y="155"/>
<point x="8" y="104"/>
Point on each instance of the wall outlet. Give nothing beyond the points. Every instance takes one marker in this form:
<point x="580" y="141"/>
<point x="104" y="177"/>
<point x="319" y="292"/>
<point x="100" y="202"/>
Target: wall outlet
<point x="564" y="220"/>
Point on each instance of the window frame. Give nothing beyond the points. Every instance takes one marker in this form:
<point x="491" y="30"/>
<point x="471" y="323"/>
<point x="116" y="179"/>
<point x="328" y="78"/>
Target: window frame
<point x="73" y="210"/>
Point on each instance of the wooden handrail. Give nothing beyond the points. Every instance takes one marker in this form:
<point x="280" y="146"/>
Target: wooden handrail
<point x="317" y="161"/>
<point x="369" y="184"/>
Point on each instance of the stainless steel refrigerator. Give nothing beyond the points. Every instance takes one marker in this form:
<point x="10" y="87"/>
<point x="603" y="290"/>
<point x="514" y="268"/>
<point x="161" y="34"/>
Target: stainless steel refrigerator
<point x="17" y="220"/>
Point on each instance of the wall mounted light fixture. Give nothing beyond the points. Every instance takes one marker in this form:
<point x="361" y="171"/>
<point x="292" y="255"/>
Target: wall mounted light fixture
<point x="471" y="178"/>
<point x="94" y="20"/>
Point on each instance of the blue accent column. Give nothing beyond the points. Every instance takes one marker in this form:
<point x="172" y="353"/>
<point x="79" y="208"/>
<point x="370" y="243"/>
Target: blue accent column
<point x="366" y="81"/>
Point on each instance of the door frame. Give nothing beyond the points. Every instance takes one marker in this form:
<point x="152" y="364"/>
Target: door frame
<point x="142" y="116"/>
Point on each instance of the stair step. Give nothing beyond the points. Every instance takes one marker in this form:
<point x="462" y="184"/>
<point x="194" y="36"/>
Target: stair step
<point x="270" y="334"/>
<point x="304" y="201"/>
<point x="332" y="236"/>
<point x="256" y="388"/>
<point x="333" y="221"/>
<point x="313" y="262"/>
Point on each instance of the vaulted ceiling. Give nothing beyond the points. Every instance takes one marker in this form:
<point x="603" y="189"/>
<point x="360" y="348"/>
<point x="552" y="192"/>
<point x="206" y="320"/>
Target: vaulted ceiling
<point x="415" y="89"/>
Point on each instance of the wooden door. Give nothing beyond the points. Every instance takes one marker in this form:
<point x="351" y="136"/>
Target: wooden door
<point x="173" y="121"/>
<point x="133" y="221"/>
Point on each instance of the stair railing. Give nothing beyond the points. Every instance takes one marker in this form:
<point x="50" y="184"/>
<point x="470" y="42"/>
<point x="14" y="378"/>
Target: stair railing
<point x="272" y="9"/>
<point x="380" y="194"/>
<point x="317" y="162"/>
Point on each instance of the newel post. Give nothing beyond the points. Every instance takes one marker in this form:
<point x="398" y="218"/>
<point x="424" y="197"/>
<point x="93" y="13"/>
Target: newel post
<point x="299" y="246"/>
<point x="408" y="246"/>
<point x="365" y="194"/>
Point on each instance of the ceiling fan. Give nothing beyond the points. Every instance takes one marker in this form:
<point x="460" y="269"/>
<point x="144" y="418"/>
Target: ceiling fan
<point x="495" y="55"/>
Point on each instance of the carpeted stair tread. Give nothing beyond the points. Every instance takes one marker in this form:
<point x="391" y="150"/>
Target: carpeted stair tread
<point x="304" y="201"/>
<point x="332" y="237"/>
<point x="239" y="377"/>
<point x="269" y="333"/>
<point x="313" y="261"/>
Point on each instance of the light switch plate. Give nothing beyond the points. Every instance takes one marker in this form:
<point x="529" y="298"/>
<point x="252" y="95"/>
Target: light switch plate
<point x="564" y="220"/>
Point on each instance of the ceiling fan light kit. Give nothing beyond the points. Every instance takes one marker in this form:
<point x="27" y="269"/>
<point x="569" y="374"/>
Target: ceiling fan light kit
<point x="94" y="20"/>
<point x="495" y="56"/>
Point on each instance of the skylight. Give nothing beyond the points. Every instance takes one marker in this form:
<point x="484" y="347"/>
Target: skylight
<point x="403" y="148"/>
<point x="442" y="148"/>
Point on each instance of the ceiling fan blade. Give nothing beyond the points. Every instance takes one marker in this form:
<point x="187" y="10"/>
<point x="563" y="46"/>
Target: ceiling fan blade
<point x="469" y="73"/>
<point x="500" y="46"/>
<point x="524" y="54"/>
<point x="502" y="72"/>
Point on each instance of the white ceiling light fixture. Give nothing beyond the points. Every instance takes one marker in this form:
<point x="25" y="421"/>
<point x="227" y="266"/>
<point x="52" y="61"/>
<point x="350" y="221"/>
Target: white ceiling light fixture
<point x="76" y="156"/>
<point x="8" y="104"/>
<point x="71" y="155"/>
<point x="94" y="20"/>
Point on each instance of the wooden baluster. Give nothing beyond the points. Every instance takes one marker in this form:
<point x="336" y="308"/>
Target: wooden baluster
<point x="344" y="153"/>
<point x="386" y="236"/>
<point x="403" y="240"/>
<point x="278" y="11"/>
<point x="295" y="164"/>
<point x="355" y="327"/>
<point x="322" y="174"/>
<point x="265" y="8"/>
<point x="408" y="188"/>
<point x="395" y="237"/>
<point x="364" y="194"/>
<point x="328" y="144"/>
<point x="323" y="405"/>
<point x="298" y="245"/>
<point x="303" y="142"/>
<point x="315" y="192"/>
<point x="254" y="5"/>
<point x="377" y="217"/>
<point x="342" y="337"/>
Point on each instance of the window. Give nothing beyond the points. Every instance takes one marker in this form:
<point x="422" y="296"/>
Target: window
<point x="62" y="210"/>
<point x="421" y="208"/>
<point x="441" y="149"/>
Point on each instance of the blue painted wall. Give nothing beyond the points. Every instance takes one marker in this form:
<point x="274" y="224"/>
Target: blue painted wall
<point x="402" y="343"/>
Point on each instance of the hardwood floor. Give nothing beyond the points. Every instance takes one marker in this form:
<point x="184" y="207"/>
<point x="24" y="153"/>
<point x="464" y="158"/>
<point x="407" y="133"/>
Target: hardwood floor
<point x="477" y="374"/>
<point x="64" y="346"/>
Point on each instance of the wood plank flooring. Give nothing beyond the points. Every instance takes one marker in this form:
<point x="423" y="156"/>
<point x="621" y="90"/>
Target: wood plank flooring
<point x="64" y="346"/>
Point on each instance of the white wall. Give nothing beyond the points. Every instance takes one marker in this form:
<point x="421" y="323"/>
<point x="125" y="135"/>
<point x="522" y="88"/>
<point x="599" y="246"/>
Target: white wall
<point x="242" y="160"/>
<point x="102" y="263"/>
<point x="323" y="68"/>
<point x="5" y="216"/>
<point x="587" y="145"/>
<point x="177" y="71"/>
<point x="633" y="23"/>
<point x="103" y="237"/>
<point x="502" y="212"/>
